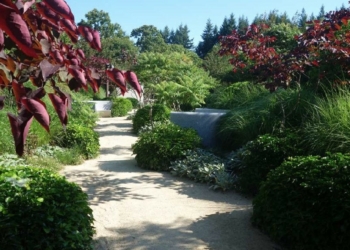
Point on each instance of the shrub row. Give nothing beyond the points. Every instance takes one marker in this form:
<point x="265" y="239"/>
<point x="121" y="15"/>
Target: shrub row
<point x="41" y="210"/>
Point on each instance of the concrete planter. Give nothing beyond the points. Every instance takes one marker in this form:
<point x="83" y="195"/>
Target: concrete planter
<point x="202" y="120"/>
<point x="102" y="108"/>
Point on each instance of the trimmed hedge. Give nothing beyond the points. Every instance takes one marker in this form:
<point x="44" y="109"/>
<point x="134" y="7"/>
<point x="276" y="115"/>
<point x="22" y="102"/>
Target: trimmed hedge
<point x="121" y="106"/>
<point x="155" y="149"/>
<point x="42" y="210"/>
<point x="83" y="138"/>
<point x="304" y="203"/>
<point x="144" y="117"/>
<point x="258" y="157"/>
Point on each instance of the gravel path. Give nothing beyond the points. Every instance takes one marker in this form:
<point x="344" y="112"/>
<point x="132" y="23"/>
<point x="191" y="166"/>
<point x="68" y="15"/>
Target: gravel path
<point x="138" y="209"/>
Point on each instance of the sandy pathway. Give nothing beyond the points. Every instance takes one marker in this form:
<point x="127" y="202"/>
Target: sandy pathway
<point x="137" y="209"/>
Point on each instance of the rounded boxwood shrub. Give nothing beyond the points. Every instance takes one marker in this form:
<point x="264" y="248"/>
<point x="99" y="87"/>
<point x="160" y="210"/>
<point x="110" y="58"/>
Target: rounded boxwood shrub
<point x="42" y="210"/>
<point x="134" y="101"/>
<point x="120" y="106"/>
<point x="304" y="203"/>
<point x="258" y="157"/>
<point x="78" y="136"/>
<point x="155" y="149"/>
<point x="144" y="116"/>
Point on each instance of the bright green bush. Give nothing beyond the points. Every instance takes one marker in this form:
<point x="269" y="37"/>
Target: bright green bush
<point x="120" y="106"/>
<point x="85" y="139"/>
<point x="83" y="114"/>
<point x="258" y="157"/>
<point x="203" y="166"/>
<point x="304" y="203"/>
<point x="134" y="101"/>
<point x="42" y="210"/>
<point x="144" y="116"/>
<point x="155" y="149"/>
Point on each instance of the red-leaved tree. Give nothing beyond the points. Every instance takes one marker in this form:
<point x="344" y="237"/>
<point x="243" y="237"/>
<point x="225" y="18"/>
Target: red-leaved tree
<point x="322" y="53"/>
<point x="30" y="49"/>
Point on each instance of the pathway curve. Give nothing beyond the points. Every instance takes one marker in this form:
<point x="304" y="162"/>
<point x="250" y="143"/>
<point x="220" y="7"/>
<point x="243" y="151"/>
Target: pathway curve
<point x="138" y="209"/>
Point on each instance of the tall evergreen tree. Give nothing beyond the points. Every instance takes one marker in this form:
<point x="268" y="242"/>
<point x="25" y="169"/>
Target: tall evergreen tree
<point x="302" y="19"/>
<point x="166" y="34"/>
<point x="210" y="38"/>
<point x="321" y="13"/>
<point x="243" y="24"/>
<point x="228" y="25"/>
<point x="181" y="37"/>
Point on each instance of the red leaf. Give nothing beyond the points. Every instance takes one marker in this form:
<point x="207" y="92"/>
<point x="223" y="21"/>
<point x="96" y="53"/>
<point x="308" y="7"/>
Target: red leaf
<point x="80" y="53"/>
<point x="48" y="14"/>
<point x="19" y="92"/>
<point x="131" y="78"/>
<point x="39" y="112"/>
<point x="2" y="40"/>
<point x="61" y="8"/>
<point x="60" y="107"/>
<point x="57" y="56"/>
<point x="117" y="77"/>
<point x="96" y="40"/>
<point x="2" y="98"/>
<point x="78" y="74"/>
<point x="19" y="128"/>
<point x="16" y="28"/>
<point x="94" y="79"/>
<point x="23" y="7"/>
<point x="86" y="33"/>
<point x="70" y="29"/>
<point x="91" y="36"/>
<point x="9" y="5"/>
<point x="48" y="69"/>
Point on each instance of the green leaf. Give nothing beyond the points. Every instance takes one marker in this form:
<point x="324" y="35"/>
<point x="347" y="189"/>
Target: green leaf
<point x="47" y="230"/>
<point x="40" y="199"/>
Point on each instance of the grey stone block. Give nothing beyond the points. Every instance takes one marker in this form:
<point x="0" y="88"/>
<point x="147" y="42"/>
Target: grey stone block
<point x="203" y="122"/>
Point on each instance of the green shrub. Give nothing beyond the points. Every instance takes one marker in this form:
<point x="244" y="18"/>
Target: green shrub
<point x="83" y="114"/>
<point x="41" y="210"/>
<point x="85" y="139"/>
<point x="255" y="160"/>
<point x="202" y="166"/>
<point x="120" y="106"/>
<point x="304" y="203"/>
<point x="155" y="149"/>
<point x="144" y="116"/>
<point x="134" y="101"/>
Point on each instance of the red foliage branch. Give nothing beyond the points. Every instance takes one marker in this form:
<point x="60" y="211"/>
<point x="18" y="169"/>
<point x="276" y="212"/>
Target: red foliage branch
<point x="324" y="43"/>
<point x="31" y="31"/>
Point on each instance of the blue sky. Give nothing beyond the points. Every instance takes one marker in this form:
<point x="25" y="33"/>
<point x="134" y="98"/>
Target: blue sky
<point x="131" y="14"/>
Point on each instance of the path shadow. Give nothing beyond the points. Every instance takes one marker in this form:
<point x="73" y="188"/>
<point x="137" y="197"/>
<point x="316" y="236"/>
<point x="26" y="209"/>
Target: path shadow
<point x="181" y="185"/>
<point x="116" y="150"/>
<point x="220" y="231"/>
<point x="105" y="187"/>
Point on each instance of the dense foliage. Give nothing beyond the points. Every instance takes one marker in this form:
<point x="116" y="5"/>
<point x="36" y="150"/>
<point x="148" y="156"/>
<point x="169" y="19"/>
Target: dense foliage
<point x="41" y="210"/>
<point x="304" y="203"/>
<point x="32" y="50"/>
<point x="120" y="106"/>
<point x="149" y="114"/>
<point x="85" y="139"/>
<point x="257" y="158"/>
<point x="155" y="149"/>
